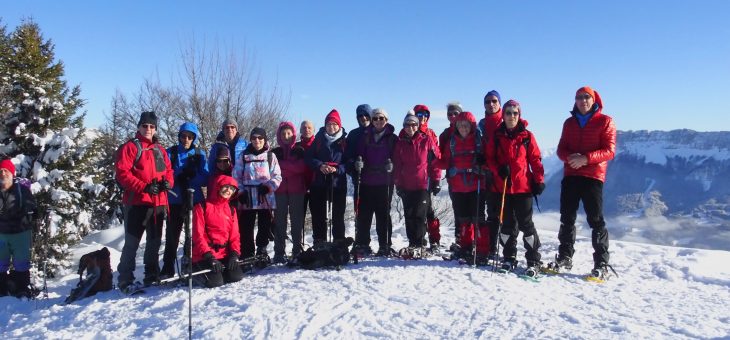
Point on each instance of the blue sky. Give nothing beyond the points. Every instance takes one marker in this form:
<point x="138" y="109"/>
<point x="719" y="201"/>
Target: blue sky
<point x="658" y="65"/>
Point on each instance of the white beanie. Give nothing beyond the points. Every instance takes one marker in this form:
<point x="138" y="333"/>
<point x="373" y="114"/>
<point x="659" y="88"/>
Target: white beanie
<point x="379" y="111"/>
<point x="411" y="119"/>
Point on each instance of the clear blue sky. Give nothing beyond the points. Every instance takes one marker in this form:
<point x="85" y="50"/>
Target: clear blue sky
<point x="658" y="65"/>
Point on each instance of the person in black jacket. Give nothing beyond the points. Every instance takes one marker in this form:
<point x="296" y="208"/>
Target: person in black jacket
<point x="17" y="208"/>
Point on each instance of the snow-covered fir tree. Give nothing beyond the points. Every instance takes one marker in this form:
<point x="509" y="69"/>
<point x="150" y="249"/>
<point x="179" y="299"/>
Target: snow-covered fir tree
<point x="43" y="133"/>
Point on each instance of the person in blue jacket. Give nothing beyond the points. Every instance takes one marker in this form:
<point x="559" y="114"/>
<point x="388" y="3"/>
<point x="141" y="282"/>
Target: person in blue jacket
<point x="190" y="169"/>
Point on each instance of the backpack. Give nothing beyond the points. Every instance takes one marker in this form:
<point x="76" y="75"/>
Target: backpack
<point x="156" y="148"/>
<point x="98" y="275"/>
<point x="174" y="156"/>
<point x="452" y="171"/>
<point x="327" y="254"/>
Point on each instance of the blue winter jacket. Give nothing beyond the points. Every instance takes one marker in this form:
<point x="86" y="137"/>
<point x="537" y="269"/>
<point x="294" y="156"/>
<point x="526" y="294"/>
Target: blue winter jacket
<point x="235" y="148"/>
<point x="188" y="158"/>
<point x="320" y="153"/>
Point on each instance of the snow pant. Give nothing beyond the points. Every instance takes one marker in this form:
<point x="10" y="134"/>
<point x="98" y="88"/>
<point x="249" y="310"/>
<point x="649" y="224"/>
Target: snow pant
<point x="15" y="249"/>
<point x="466" y="207"/>
<point x="457" y="230"/>
<point x="289" y="207"/>
<point x="320" y="221"/>
<point x="246" y="223"/>
<point x="139" y="219"/>
<point x="212" y="280"/>
<point x="415" y="210"/>
<point x="173" y="229"/>
<point x="518" y="217"/>
<point x="432" y="222"/>
<point x="494" y="205"/>
<point x="375" y="200"/>
<point x="573" y="190"/>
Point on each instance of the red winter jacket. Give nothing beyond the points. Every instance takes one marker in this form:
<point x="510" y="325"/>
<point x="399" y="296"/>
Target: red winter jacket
<point x="518" y="149"/>
<point x="134" y="177"/>
<point x="596" y="140"/>
<point x="291" y="161"/>
<point x="215" y="226"/>
<point x="306" y="144"/>
<point x="411" y="165"/>
<point x="489" y="124"/>
<point x="434" y="172"/>
<point x="459" y="166"/>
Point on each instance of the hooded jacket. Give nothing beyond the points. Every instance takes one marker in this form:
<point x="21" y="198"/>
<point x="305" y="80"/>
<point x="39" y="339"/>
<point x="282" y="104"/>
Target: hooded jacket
<point x="215" y="224"/>
<point x="188" y="158"/>
<point x="435" y="173"/>
<point x="322" y="153"/>
<point x="291" y="160"/>
<point x="518" y="149"/>
<point x="489" y="124"/>
<point x="153" y="164"/>
<point x="375" y="154"/>
<point x="596" y="140"/>
<point x="252" y="169"/>
<point x="459" y="165"/>
<point x="414" y="161"/>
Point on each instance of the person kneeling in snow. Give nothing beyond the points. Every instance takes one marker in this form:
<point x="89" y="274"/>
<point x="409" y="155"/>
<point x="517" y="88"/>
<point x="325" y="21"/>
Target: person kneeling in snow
<point x="216" y="238"/>
<point x="16" y="208"/>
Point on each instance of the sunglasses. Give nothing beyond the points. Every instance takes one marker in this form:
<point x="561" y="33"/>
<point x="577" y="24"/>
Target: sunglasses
<point x="229" y="127"/>
<point x="584" y="96"/>
<point x="410" y="125"/>
<point x="492" y="101"/>
<point x="183" y="136"/>
<point x="379" y="118"/>
<point x="365" y="117"/>
<point x="452" y="113"/>
<point x="257" y="137"/>
<point x="148" y="126"/>
<point x="511" y="113"/>
<point x="423" y="114"/>
<point x="223" y="160"/>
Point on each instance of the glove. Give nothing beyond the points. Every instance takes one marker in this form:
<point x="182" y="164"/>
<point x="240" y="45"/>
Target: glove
<point x="215" y="265"/>
<point x="388" y="166"/>
<point x="262" y="190"/>
<point x="152" y="189"/>
<point x="538" y="188"/>
<point x="504" y="171"/>
<point x="359" y="164"/>
<point x="400" y="192"/>
<point x="435" y="187"/>
<point x="480" y="160"/>
<point x="164" y="185"/>
<point x="232" y="261"/>
<point x="243" y="198"/>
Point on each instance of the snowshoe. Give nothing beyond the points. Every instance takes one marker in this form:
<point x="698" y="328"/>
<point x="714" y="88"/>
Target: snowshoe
<point x="508" y="266"/>
<point x="361" y="251"/>
<point x="435" y="247"/>
<point x="132" y="288"/>
<point x="601" y="273"/>
<point x="279" y="259"/>
<point x="82" y="288"/>
<point x="531" y="273"/>
<point x="386" y="252"/>
<point x="413" y="253"/>
<point x="561" y="264"/>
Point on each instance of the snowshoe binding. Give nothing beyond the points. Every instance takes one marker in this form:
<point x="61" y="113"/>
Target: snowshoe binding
<point x="133" y="288"/>
<point x="560" y="265"/>
<point x="413" y="253"/>
<point x="531" y="273"/>
<point x="386" y="252"/>
<point x="508" y="266"/>
<point x="601" y="273"/>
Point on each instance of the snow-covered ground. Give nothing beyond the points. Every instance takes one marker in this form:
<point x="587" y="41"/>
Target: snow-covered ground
<point x="663" y="292"/>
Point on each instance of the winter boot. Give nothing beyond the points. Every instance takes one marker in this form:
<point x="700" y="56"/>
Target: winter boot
<point x="263" y="258"/>
<point x="168" y="271"/>
<point x="361" y="250"/>
<point x="3" y="284"/>
<point x="131" y="288"/>
<point x="601" y="271"/>
<point x="561" y="264"/>
<point x="385" y="251"/>
<point x="508" y="265"/>
<point x="279" y="259"/>
<point x="19" y="284"/>
<point x="533" y="270"/>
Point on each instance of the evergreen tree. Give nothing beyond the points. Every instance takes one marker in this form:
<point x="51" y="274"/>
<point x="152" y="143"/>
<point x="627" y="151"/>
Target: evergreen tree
<point x="43" y="133"/>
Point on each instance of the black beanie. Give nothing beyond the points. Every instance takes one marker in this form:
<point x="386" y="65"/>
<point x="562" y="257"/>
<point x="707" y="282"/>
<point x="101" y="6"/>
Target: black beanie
<point x="147" y="117"/>
<point x="258" y="131"/>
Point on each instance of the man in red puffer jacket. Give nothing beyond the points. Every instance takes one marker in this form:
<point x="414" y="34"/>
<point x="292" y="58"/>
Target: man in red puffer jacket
<point x="587" y="143"/>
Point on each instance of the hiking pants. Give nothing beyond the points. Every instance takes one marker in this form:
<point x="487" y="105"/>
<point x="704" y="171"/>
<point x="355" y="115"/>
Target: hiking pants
<point x="289" y="207"/>
<point x="318" y="206"/>
<point x="375" y="200"/>
<point x="573" y="190"/>
<point x="16" y="248"/>
<point x="139" y="219"/>
<point x="246" y="224"/>
<point x="518" y="217"/>
<point x="415" y="209"/>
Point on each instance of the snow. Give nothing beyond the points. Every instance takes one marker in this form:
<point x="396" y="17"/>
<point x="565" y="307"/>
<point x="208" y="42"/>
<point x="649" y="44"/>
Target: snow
<point x="662" y="292"/>
<point x="658" y="152"/>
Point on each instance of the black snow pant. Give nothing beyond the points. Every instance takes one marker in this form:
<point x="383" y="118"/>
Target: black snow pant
<point x="518" y="217"/>
<point x="139" y="219"/>
<point x="212" y="280"/>
<point x="173" y="229"/>
<point x="573" y="190"/>
<point x="375" y="200"/>
<point x="246" y="223"/>
<point x="415" y="209"/>
<point x="319" y="197"/>
<point x="466" y="207"/>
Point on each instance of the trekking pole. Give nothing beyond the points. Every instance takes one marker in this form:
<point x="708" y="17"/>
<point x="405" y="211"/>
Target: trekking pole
<point x="329" y="207"/>
<point x="477" y="234"/>
<point x="389" y="171"/>
<point x="357" y="196"/>
<point x="189" y="236"/>
<point x="501" y="215"/>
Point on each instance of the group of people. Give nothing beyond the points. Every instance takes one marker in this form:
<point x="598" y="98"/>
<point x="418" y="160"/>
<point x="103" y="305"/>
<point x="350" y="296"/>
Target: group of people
<point x="493" y="169"/>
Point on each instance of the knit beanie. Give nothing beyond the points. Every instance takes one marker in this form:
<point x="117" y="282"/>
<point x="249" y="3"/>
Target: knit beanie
<point x="227" y="122"/>
<point x="410" y="119"/>
<point x="588" y="90"/>
<point x="379" y="112"/>
<point x="147" y="117"/>
<point x="333" y="116"/>
<point x="223" y="153"/>
<point x="258" y="131"/>
<point x="454" y="106"/>
<point x="363" y="110"/>
<point x="493" y="93"/>
<point x="7" y="164"/>
<point x="513" y="103"/>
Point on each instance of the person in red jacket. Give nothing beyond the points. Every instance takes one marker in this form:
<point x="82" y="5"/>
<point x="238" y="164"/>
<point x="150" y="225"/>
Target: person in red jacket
<point x="290" y="194"/>
<point x="434" y="178"/>
<point x="488" y="124"/>
<point x="514" y="155"/>
<point x="144" y="172"/>
<point x="587" y="143"/>
<point x="414" y="158"/>
<point x="463" y="160"/>
<point x="306" y="138"/>
<point x="216" y="238"/>
<point x="453" y="109"/>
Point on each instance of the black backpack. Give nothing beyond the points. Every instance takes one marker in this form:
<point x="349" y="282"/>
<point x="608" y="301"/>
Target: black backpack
<point x="99" y="276"/>
<point x="327" y="254"/>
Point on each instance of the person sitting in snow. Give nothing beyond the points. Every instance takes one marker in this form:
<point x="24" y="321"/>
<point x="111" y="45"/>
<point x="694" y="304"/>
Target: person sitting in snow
<point x="216" y="238"/>
<point x="17" y="207"/>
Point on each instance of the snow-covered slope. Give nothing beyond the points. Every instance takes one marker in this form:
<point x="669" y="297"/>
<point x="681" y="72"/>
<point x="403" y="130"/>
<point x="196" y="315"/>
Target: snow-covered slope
<point x="663" y="292"/>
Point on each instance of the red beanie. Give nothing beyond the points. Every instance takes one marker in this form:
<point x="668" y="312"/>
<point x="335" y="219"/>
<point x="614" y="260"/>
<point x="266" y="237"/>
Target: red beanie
<point x="421" y="108"/>
<point x="586" y="89"/>
<point x="333" y="116"/>
<point x="8" y="165"/>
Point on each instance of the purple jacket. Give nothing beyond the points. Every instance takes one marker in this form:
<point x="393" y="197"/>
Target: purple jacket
<point x="375" y="154"/>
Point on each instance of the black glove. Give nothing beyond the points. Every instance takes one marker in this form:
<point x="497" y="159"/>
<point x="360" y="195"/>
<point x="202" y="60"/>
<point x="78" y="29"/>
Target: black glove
<point x="215" y="265"/>
<point x="480" y="160"/>
<point x="243" y="197"/>
<point x="152" y="189"/>
<point x="164" y="185"/>
<point x="435" y="187"/>
<point x="504" y="171"/>
<point x="400" y="192"/>
<point x="262" y="189"/>
<point x="232" y="261"/>
<point x="538" y="188"/>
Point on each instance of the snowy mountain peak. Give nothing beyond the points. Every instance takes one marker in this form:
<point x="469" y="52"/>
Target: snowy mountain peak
<point x="657" y="147"/>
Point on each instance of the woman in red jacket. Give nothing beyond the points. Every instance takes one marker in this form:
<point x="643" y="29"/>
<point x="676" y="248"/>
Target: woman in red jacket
<point x="513" y="154"/>
<point x="463" y="160"/>
<point x="216" y="238"/>
<point x="414" y="157"/>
